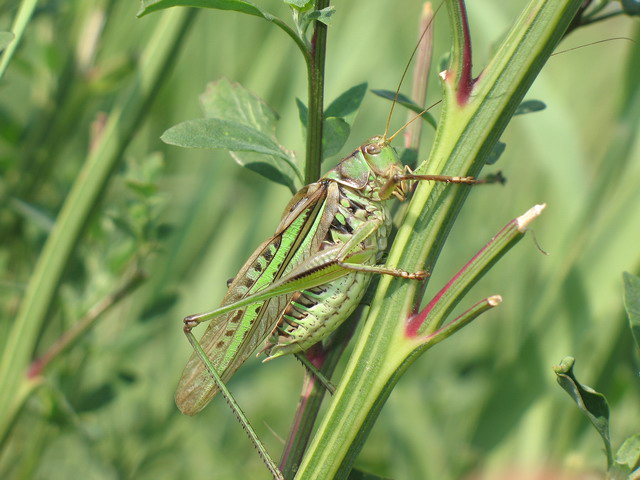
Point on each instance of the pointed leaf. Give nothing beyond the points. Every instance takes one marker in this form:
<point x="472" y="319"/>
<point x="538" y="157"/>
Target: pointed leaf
<point x="529" y="106"/>
<point x="498" y="150"/>
<point x="347" y="104"/>
<point x="299" y="4"/>
<point x="149" y="6"/>
<point x="632" y="304"/>
<point x="593" y="404"/>
<point x="303" y="113"/>
<point x="336" y="133"/>
<point x="229" y="101"/>
<point x="223" y="134"/>
<point x="407" y="103"/>
<point x="323" y="15"/>
<point x="220" y="134"/>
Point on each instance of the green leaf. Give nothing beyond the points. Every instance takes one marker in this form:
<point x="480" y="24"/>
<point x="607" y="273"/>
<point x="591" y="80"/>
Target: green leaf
<point x="232" y="102"/>
<point x="220" y="134"/>
<point x="216" y="133"/>
<point x="627" y="459"/>
<point x="631" y="7"/>
<point x="347" y="104"/>
<point x="150" y="6"/>
<point x="632" y="304"/>
<point x="407" y="103"/>
<point x="336" y="133"/>
<point x="338" y="118"/>
<point x="324" y="15"/>
<point x="303" y="113"/>
<point x="5" y="39"/>
<point x="593" y="404"/>
<point x="299" y="4"/>
<point x="498" y="150"/>
<point x="529" y="106"/>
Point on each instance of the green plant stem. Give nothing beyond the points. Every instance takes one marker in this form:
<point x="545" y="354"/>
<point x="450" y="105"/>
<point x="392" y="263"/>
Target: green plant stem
<point x="313" y="393"/>
<point x="316" y="99"/>
<point x="437" y="311"/>
<point x="18" y="28"/>
<point x="70" y="337"/>
<point x="300" y="43"/>
<point x="468" y="130"/>
<point x="124" y="119"/>
<point x="463" y="320"/>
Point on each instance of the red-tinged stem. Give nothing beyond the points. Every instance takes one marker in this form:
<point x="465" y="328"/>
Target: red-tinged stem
<point x="466" y="80"/>
<point x="414" y="324"/>
<point x="305" y="395"/>
<point x="462" y="281"/>
<point x="325" y="359"/>
<point x="463" y="74"/>
<point x="464" y="319"/>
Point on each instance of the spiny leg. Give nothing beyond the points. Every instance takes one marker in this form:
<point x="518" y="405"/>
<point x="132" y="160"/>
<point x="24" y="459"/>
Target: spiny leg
<point x="438" y="178"/>
<point x="381" y="270"/>
<point x="354" y="247"/>
<point x="326" y="383"/>
<point x="311" y="368"/>
<point x="242" y="418"/>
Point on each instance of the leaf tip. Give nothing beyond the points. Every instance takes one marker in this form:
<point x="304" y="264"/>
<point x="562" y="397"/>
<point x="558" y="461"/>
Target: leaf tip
<point x="529" y="216"/>
<point x="494" y="300"/>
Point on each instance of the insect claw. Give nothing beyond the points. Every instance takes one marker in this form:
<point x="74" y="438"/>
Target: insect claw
<point x="419" y="275"/>
<point x="189" y="323"/>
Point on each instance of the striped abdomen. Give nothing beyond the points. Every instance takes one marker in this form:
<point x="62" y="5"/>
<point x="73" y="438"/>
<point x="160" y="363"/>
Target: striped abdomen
<point x="314" y="313"/>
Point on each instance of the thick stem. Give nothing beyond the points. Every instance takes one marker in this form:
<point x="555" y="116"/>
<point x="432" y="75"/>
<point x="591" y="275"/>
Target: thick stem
<point x="466" y="136"/>
<point x="316" y="99"/>
<point x="312" y="395"/>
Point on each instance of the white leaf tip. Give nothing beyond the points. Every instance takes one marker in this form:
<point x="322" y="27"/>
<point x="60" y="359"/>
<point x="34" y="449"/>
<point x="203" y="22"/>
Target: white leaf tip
<point x="529" y="216"/>
<point x="494" y="300"/>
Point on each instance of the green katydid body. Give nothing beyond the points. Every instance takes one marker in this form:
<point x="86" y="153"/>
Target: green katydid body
<point x="305" y="280"/>
<point x="329" y="235"/>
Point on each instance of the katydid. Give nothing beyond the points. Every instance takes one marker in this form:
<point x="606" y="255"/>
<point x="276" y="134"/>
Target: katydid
<point x="304" y="281"/>
<point x="300" y="284"/>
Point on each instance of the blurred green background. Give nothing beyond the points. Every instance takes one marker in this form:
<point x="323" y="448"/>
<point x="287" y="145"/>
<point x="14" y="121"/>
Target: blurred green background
<point x="483" y="402"/>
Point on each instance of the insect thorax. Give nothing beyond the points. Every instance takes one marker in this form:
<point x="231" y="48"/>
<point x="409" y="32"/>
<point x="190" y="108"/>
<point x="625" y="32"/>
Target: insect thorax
<point x="368" y="170"/>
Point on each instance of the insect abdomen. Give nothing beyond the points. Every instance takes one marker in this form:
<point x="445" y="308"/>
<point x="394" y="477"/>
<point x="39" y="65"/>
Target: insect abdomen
<point x="313" y="314"/>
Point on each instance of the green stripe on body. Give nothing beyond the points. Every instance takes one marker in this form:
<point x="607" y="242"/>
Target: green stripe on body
<point x="294" y="241"/>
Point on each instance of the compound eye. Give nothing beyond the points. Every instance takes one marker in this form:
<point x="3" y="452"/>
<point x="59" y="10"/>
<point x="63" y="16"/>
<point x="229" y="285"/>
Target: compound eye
<point x="372" y="149"/>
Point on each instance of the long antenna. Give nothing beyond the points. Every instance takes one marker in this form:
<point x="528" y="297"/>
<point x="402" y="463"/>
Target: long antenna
<point x="419" y="115"/>
<point x="406" y="69"/>
<point x="593" y="43"/>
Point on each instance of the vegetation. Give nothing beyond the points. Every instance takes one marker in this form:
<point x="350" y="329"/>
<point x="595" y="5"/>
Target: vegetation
<point x="114" y="236"/>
